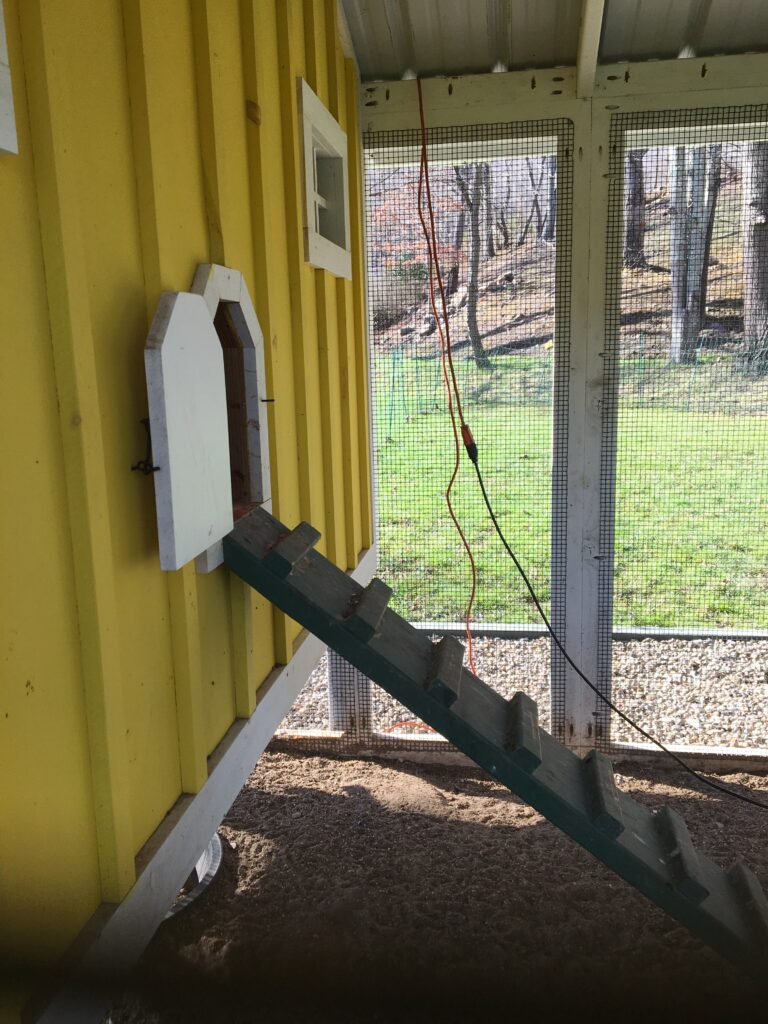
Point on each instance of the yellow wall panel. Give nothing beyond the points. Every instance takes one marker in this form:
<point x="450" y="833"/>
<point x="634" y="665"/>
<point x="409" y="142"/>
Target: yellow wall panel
<point x="350" y="441"/>
<point x="216" y="649"/>
<point x="112" y="244"/>
<point x="357" y="231"/>
<point x="163" y="134"/>
<point x="221" y="107"/>
<point x="41" y="696"/>
<point x="268" y="201"/>
<point x="56" y="181"/>
<point x="172" y="218"/>
<point x="271" y="261"/>
<point x="326" y="317"/>
<point x="306" y="394"/>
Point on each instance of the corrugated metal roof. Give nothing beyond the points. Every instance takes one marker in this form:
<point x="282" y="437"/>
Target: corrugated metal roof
<point x="432" y="37"/>
<point x="391" y="37"/>
<point x="639" y="29"/>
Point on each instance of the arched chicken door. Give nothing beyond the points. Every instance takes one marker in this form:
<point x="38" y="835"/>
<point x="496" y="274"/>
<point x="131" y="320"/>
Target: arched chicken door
<point x="204" y="361"/>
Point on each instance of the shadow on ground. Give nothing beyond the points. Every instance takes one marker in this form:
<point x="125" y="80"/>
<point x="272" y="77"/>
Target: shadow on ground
<point x="378" y="891"/>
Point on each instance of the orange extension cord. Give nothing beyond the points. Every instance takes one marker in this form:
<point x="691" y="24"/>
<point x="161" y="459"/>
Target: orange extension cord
<point x="460" y="427"/>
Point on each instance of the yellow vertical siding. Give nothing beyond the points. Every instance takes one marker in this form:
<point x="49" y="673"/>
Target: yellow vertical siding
<point x="301" y="277"/>
<point x="41" y="691"/>
<point x="155" y="135"/>
<point x="171" y="214"/>
<point x="359" y="391"/>
<point x="327" y="315"/>
<point x="57" y="184"/>
<point x="221" y="95"/>
<point x="353" y="441"/>
<point x="111" y="241"/>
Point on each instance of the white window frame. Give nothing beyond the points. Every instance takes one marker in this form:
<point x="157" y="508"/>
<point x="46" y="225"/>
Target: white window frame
<point x="322" y="137"/>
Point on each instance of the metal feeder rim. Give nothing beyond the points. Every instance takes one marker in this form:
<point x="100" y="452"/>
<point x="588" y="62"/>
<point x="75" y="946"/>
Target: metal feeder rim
<point x="206" y="868"/>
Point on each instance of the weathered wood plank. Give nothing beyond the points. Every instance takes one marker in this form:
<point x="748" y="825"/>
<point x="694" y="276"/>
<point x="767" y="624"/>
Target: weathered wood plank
<point x="367" y="609"/>
<point x="289" y="550"/>
<point x="444" y="678"/>
<point x="682" y="854"/>
<point x="602" y="795"/>
<point x="522" y="740"/>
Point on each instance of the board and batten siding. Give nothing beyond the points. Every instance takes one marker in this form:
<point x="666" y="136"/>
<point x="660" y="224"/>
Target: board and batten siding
<point x="154" y="135"/>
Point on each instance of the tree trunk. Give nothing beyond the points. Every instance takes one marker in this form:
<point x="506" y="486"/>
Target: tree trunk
<point x="474" y="269"/>
<point x="678" y="245"/>
<point x="697" y="255"/>
<point x="714" y="181"/>
<point x="634" y="210"/>
<point x="535" y="206"/>
<point x="755" y="241"/>
<point x="500" y="221"/>
<point x="550" y="175"/>
<point x="692" y="209"/>
<point x="452" y="277"/>
<point x="488" y="212"/>
<point x="473" y="202"/>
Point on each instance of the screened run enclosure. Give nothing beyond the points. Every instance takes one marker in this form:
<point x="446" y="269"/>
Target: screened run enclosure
<point x="682" y="581"/>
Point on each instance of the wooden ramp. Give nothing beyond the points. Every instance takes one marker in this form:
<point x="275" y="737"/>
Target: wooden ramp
<point x="652" y="851"/>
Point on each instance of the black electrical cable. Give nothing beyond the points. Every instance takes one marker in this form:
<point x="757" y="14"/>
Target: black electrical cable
<point x="473" y="455"/>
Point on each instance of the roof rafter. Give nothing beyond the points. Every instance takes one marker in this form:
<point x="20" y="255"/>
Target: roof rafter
<point x="589" y="44"/>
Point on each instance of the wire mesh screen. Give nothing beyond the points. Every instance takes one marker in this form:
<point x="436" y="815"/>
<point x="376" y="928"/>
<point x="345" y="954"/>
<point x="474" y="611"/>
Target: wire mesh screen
<point x="496" y="191"/>
<point x="686" y="427"/>
<point x="340" y="709"/>
<point x="502" y="198"/>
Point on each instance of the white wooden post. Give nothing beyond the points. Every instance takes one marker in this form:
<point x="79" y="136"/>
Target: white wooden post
<point x="584" y="438"/>
<point x="349" y="698"/>
<point x="590" y="28"/>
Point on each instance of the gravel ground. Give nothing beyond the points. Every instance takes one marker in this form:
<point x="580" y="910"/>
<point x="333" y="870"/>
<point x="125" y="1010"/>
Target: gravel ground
<point x="355" y="891"/>
<point x="710" y="692"/>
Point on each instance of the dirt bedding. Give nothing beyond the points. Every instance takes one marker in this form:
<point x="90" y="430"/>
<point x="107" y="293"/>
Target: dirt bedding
<point x="377" y="891"/>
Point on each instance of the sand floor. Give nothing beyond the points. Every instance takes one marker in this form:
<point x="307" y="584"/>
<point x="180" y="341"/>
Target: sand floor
<point x="386" y="891"/>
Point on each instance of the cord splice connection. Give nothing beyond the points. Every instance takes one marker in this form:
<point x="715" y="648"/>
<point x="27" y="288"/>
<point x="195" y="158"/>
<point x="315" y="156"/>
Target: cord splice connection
<point x="469" y="443"/>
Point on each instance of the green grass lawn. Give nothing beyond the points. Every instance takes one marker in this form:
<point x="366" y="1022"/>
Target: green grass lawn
<point x="692" y="495"/>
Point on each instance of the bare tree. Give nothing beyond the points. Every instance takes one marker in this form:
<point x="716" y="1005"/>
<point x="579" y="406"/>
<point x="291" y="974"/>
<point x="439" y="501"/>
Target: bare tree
<point x="452" y="277"/>
<point x="695" y="174"/>
<point x="535" y="210"/>
<point x="488" y="209"/>
<point x="469" y="179"/>
<point x="543" y="207"/>
<point x="634" y="210"/>
<point x="755" y="242"/>
<point x="500" y="223"/>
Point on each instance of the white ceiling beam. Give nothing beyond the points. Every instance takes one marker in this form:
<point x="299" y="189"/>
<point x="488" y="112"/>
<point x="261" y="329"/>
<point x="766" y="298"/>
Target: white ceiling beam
<point x="589" y="43"/>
